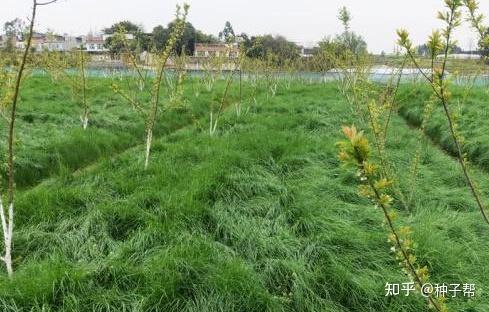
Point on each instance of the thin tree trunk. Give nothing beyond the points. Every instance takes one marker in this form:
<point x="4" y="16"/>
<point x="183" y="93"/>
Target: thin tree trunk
<point x="84" y="120"/>
<point x="8" y="221"/>
<point x="86" y="111"/>
<point x="7" y="226"/>
<point x="149" y="139"/>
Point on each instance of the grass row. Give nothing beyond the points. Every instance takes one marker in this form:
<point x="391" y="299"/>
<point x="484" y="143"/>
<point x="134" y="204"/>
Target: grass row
<point x="469" y="108"/>
<point x="50" y="140"/>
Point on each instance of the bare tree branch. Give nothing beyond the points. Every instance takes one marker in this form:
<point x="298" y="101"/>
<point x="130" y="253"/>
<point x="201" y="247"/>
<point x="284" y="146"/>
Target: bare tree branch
<point x="43" y="3"/>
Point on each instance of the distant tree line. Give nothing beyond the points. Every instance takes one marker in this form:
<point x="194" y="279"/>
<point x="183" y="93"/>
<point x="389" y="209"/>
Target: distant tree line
<point x="156" y="40"/>
<point x="276" y="49"/>
<point x="254" y="46"/>
<point x="424" y="50"/>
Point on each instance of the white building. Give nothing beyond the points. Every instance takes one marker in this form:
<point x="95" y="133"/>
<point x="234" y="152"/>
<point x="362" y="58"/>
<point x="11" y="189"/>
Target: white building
<point x="95" y="44"/>
<point x="306" y="52"/>
<point x="216" y="50"/>
<point x="53" y="43"/>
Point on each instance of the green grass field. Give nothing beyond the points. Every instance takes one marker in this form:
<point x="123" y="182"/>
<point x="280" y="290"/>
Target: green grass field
<point x="50" y="138"/>
<point x="260" y="217"/>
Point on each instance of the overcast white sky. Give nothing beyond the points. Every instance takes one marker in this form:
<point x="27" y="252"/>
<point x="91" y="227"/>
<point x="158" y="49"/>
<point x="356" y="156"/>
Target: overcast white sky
<point x="302" y="21"/>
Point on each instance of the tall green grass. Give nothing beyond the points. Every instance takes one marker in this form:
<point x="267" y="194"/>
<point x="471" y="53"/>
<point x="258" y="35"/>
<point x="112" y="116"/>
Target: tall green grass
<point x="50" y="140"/>
<point x="259" y="217"/>
<point x="471" y="116"/>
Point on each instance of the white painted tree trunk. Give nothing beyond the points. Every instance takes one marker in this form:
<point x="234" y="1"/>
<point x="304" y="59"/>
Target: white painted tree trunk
<point x="211" y="124"/>
<point x="149" y="138"/>
<point x="84" y="121"/>
<point x="8" y="229"/>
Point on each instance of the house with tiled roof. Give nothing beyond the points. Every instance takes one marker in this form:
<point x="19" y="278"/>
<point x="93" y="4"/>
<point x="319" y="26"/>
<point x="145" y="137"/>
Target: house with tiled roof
<point x="95" y="44"/>
<point x="216" y="50"/>
<point x="48" y="42"/>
